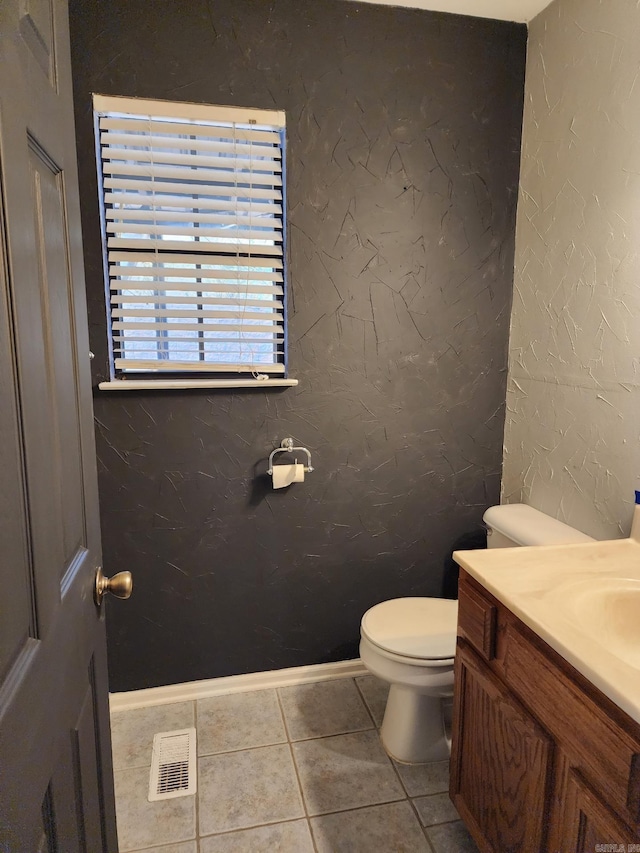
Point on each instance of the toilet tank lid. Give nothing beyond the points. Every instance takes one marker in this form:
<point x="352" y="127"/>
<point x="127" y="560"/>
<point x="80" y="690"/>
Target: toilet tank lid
<point x="525" y="525"/>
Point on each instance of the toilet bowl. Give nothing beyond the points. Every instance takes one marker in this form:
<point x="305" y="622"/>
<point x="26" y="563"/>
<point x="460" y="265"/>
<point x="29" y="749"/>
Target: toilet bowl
<point x="410" y="643"/>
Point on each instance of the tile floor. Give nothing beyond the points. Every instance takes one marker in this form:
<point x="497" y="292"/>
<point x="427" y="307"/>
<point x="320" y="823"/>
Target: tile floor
<point x="295" y="770"/>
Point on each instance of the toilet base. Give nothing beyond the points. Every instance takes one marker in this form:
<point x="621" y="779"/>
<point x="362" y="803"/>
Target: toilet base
<point x="413" y="730"/>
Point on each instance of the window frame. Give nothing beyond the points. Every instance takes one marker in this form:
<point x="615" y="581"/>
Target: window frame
<point x="200" y="377"/>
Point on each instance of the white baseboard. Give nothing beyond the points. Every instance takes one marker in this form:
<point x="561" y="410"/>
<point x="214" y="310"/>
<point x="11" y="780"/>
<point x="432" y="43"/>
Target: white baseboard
<point x="235" y="684"/>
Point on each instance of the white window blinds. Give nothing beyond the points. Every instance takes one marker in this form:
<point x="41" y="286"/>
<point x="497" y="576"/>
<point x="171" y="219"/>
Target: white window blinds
<point x="193" y="229"/>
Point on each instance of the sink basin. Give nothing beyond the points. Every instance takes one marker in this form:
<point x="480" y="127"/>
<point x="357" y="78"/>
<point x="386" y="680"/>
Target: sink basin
<point x="608" y="610"/>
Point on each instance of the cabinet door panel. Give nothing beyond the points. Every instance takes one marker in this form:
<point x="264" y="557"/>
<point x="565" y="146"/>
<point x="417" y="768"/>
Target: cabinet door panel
<point x="501" y="762"/>
<point x="589" y="825"/>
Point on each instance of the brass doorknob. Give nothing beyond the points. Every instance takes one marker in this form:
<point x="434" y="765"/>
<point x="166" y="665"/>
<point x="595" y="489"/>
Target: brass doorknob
<point x="119" y="585"/>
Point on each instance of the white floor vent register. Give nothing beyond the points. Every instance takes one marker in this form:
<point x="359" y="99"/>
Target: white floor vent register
<point x="173" y="765"/>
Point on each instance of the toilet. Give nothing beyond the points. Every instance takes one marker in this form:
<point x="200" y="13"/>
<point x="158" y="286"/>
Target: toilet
<point x="410" y="643"/>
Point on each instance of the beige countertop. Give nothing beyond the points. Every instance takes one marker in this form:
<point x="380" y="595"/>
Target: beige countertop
<point x="583" y="600"/>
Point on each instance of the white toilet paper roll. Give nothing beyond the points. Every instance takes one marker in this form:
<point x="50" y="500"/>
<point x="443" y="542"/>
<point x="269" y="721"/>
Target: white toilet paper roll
<point x="284" y="475"/>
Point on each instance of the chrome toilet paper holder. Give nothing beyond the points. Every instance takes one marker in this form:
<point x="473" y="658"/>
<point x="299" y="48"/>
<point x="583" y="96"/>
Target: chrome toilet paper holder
<point x="286" y="446"/>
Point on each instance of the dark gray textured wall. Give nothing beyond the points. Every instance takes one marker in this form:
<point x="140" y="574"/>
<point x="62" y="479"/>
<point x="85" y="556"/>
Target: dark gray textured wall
<point x="403" y="133"/>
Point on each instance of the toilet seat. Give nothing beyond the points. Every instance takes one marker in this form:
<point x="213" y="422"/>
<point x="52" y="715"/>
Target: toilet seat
<point x="413" y="630"/>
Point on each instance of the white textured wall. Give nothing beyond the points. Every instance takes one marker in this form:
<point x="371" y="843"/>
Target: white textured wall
<point x="572" y="434"/>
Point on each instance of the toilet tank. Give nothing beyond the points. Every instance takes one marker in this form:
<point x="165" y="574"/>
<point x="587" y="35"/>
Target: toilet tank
<point x="511" y="525"/>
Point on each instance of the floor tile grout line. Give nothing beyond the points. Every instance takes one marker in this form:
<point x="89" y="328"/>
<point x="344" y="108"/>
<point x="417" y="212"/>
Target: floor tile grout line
<point x="283" y="715"/>
<point x="303" y="799"/>
<point x="443" y="823"/>
<point x="295" y="770"/>
<point x="422" y="827"/>
<point x="415" y="809"/>
<point x="308" y="819"/>
<point x="366" y="704"/>
<point x="428" y="840"/>
<point x="158" y="848"/>
<point x="245" y="828"/>
<point x="361" y="696"/>
<point x="396" y="771"/>
<point x="285" y="742"/>
<point x="243" y="749"/>
<point x="312" y="835"/>
<point x="359" y="808"/>
<point x="334" y="734"/>
<point x="447" y="823"/>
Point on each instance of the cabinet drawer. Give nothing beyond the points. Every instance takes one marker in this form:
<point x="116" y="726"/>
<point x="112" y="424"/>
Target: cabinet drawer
<point x="477" y="618"/>
<point x="594" y="743"/>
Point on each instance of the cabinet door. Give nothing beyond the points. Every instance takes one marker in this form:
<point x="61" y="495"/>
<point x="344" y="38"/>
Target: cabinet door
<point x="501" y="762"/>
<point x="589" y="825"/>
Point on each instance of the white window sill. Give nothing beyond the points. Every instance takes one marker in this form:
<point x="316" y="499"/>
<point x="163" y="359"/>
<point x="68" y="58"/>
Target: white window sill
<point x="180" y="384"/>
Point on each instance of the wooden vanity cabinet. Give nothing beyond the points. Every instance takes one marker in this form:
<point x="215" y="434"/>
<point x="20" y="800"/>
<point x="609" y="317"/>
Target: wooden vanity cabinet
<point x="541" y="760"/>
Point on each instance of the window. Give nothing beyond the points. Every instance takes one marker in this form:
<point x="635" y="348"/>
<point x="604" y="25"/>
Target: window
<point x="193" y="235"/>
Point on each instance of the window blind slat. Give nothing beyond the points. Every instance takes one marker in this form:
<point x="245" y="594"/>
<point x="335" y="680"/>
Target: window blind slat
<point x="192" y="349"/>
<point x="189" y="187"/>
<point x="215" y="176"/>
<point x="244" y="314"/>
<point x="122" y="214"/>
<point x="196" y="327"/>
<point x="247" y="282"/>
<point x="190" y="366"/>
<point x="240" y="165"/>
<point x="144" y="293"/>
<point x="176" y="128"/>
<point x="179" y="258"/>
<point x="264" y="338"/>
<point x="117" y="299"/>
<point x="196" y="287"/>
<point x="232" y="230"/>
<point x="129" y="200"/>
<point x="114" y="139"/>
<point x="237" y="249"/>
